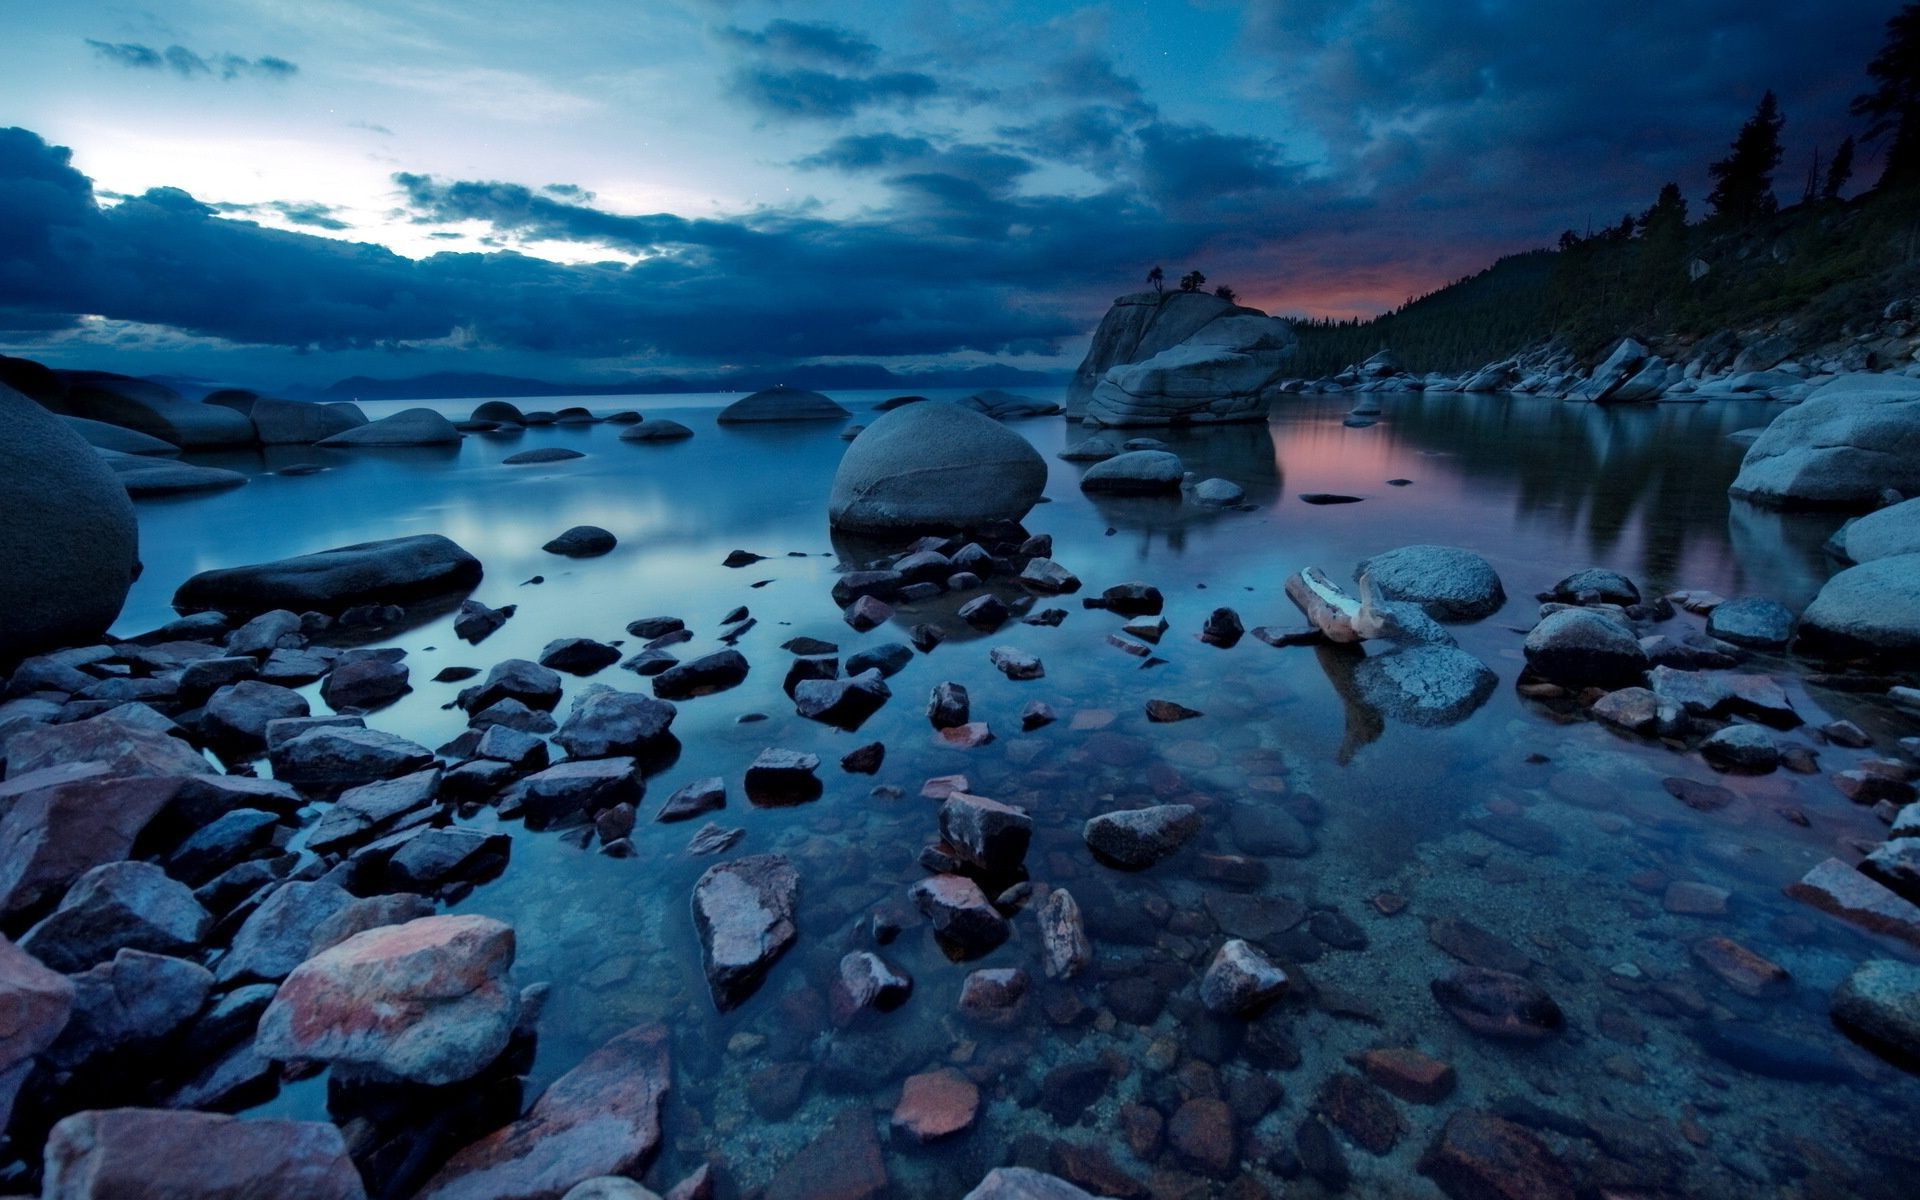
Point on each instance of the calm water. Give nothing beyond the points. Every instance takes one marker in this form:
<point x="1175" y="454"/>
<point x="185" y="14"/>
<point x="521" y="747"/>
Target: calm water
<point x="1564" y="858"/>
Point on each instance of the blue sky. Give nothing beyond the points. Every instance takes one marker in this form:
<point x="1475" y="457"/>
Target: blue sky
<point x="270" y="192"/>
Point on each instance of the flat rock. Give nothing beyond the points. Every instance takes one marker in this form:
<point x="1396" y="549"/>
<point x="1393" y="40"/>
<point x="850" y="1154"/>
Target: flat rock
<point x="394" y="571"/>
<point x="1498" y="1004"/>
<point x="744" y="912"/>
<point x="120" y="1153"/>
<point x="1138" y="838"/>
<point x="1478" y="1156"/>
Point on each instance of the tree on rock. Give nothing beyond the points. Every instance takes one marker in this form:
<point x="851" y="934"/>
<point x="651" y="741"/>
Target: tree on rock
<point x="1225" y="293"/>
<point x="1158" y="279"/>
<point x="1743" y="180"/>
<point x="1893" y="106"/>
<point x="1192" y="281"/>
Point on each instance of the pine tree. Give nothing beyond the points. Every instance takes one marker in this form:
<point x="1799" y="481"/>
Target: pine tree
<point x="1839" y="171"/>
<point x="1894" y="105"/>
<point x="1743" y="181"/>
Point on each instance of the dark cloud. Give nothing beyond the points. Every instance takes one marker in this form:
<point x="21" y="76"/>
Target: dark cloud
<point x="807" y="42"/>
<point x="805" y="93"/>
<point x="991" y="168"/>
<point x="189" y="65"/>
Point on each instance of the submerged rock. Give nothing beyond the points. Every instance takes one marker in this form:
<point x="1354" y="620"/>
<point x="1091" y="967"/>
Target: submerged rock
<point x="935" y="466"/>
<point x="1428" y="685"/>
<point x="1065" y="950"/>
<point x="1023" y="1183"/>
<point x="1499" y="1004"/>
<point x="1241" y="980"/>
<point x="1479" y="1156"/>
<point x="1138" y="838"/>
<point x="744" y="913"/>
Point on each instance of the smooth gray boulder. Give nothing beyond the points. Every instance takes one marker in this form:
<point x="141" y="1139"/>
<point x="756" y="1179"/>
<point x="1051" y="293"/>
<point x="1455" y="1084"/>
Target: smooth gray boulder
<point x="67" y="535"/>
<point x="146" y="475"/>
<point x="781" y="404"/>
<point x="1891" y="531"/>
<point x="500" y="412"/>
<point x="302" y="423"/>
<point x="1871" y="608"/>
<point x="656" y="429"/>
<point x="394" y="571"/>
<point x="1752" y="621"/>
<point x="103" y="436"/>
<point x="153" y="409"/>
<point x="411" y="427"/>
<point x="1225" y="372"/>
<point x="935" y="466"/>
<point x="1879" y="1004"/>
<point x="1135" y="473"/>
<point x="1579" y="647"/>
<point x="1450" y="583"/>
<point x="1425" y="684"/>
<point x="1843" y="447"/>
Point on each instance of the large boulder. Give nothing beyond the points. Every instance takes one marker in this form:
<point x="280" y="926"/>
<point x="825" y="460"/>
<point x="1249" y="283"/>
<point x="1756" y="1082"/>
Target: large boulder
<point x="154" y="1153"/>
<point x="1891" y="531"/>
<point x="145" y="475"/>
<point x="781" y="403"/>
<point x="1871" y="608"/>
<point x="1450" y="583"/>
<point x="153" y="409"/>
<point x="300" y="423"/>
<point x="1225" y="372"/>
<point x="67" y="535"/>
<point x="411" y="427"/>
<point x="51" y="836"/>
<point x="1849" y="442"/>
<point x="427" y="1001"/>
<point x="119" y="904"/>
<point x="1136" y="473"/>
<point x="35" y="1001"/>
<point x="1139" y="326"/>
<point x="601" y="1118"/>
<point x="935" y="466"/>
<point x="388" y="572"/>
<point x="102" y="436"/>
<point x="1880" y="1005"/>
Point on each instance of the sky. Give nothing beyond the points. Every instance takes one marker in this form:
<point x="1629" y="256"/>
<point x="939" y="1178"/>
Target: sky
<point x="272" y="192"/>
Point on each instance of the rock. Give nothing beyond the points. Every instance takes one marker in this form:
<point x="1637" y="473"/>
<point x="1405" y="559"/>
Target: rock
<point x="744" y="913"/>
<point x="119" y="1153"/>
<point x="702" y="676"/>
<point x="1637" y="710"/>
<point x="1179" y="358"/>
<point x="1868" y="609"/>
<point x="610" y="1187"/>
<point x="935" y="466"/>
<point x="299" y="422"/>
<point x="888" y="659"/>
<point x="1201" y="1133"/>
<point x="582" y="541"/>
<point x="948" y="706"/>
<point x="529" y="683"/>
<point x="1241" y="980"/>
<point x="1478" y="1156"/>
<point x="576" y="789"/>
<point x="1135" y="473"/>
<point x="427" y="1001"/>
<point x="128" y="1005"/>
<point x="1498" y="1004"/>
<point x="1742" y="747"/>
<point x="37" y="1002"/>
<point x="153" y="409"/>
<point x="102" y="436"/>
<point x="1093" y="449"/>
<point x="395" y="571"/>
<point x="1065" y="950"/>
<point x="143" y="477"/>
<point x="1138" y="838"/>
<point x="694" y="799"/>
<point x="67" y="535"/>
<point x="600" y="1118"/>
<point x="409" y="427"/>
<point x="935" y="1105"/>
<point x="578" y="656"/>
<point x="1016" y="663"/>
<point x="1848" y="442"/>
<point x="604" y="723"/>
<point x="845" y="703"/>
<point x="1042" y="575"/>
<point x="1223" y="628"/>
<point x="777" y="775"/>
<point x="340" y="757"/>
<point x="656" y="429"/>
<point x="1451" y="584"/>
<point x="499" y="411"/>
<point x="475" y="622"/>
<point x="781" y="403"/>
<point x="960" y="913"/>
<point x="1896" y="864"/>
<point x="428" y="859"/>
<point x="1166" y="712"/>
<point x="994" y="997"/>
<point x="132" y="905"/>
<point x="1581" y="648"/>
<point x="1218" y="492"/>
<point x="53" y="835"/>
<point x="1883" y="534"/>
<point x="1596" y="584"/>
<point x="986" y="833"/>
<point x="363" y="685"/>
<point x="1427" y="685"/>
<point x="841" y="1162"/>
<point x="1723" y="694"/>
<point x="1022" y="1183"/>
<point x="545" y="454"/>
<point x="1409" y="1074"/>
<point x="279" y="935"/>
<point x="1752" y="621"/>
<point x="1740" y="968"/>
<point x="1879" y="1006"/>
<point x="865" y="983"/>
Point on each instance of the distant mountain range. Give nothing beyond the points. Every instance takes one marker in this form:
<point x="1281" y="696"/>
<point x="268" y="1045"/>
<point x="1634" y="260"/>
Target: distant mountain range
<point x="453" y="385"/>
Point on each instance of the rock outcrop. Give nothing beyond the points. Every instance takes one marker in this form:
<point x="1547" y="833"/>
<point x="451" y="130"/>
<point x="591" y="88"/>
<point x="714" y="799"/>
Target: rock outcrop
<point x="935" y="466"/>
<point x="1851" y="440"/>
<point x="1180" y="358"/>
<point x="153" y="409"/>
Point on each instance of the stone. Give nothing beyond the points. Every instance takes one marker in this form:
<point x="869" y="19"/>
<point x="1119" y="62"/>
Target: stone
<point x="1218" y="492"/>
<point x="531" y="684"/>
<point x="67" y="535"/>
<point x="844" y="703"/>
<point x="1223" y="372"/>
<point x="582" y="541"/>
<point x="408" y="427"/>
<point x="1740" y="968"/>
<point x="37" y="1002"/>
<point x="1409" y="1074"/>
<point x="1048" y="577"/>
<point x="427" y="1001"/>
<point x="1742" y="748"/>
<point x="783" y="776"/>
<point x="394" y="571"/>
<point x="341" y="757"/>
<point x="993" y="997"/>
<point x="1878" y="1005"/>
<point x="1882" y="534"/>
<point x="1637" y="710"/>
<point x="934" y="1105"/>
<point x="841" y="1162"/>
<point x="573" y="790"/>
<point x="1596" y="584"/>
<point x="985" y="833"/>
<point x="120" y="1153"/>
<point x="601" y="1118"/>
<point x="781" y="403"/>
<point x="1449" y="583"/>
<point x="1724" y="694"/>
<point x="889" y="659"/>
<point x="948" y="706"/>
<point x="1023" y="1183"/>
<point x="153" y="409"/>
<point x="1752" y="621"/>
<point x="1241" y="980"/>
<point x="117" y="741"/>
<point x="1135" y="473"/>
<point x="578" y="656"/>
<point x="935" y="466"/>
<point x="1361" y="1111"/>
<point x="961" y="915"/>
<point x="278" y="936"/>
<point x="545" y="454"/>
<point x="51" y="836"/>
<point x="475" y="622"/>
<point x="1844" y="445"/>
<point x="1427" y="685"/>
<point x="864" y="982"/>
<point x="132" y="905"/>
<point x="1868" y="609"/>
<point x="1498" y="1004"/>
<point x="299" y="422"/>
<point x="1016" y="664"/>
<point x="1201" y="1134"/>
<point x="1065" y="949"/>
<point x="656" y="429"/>
<point x="1581" y="648"/>
<point x="1138" y="838"/>
<point x="744" y="913"/>
<point x="1897" y="865"/>
<point x="1479" y="1156"/>
<point x="428" y="859"/>
<point x="128" y="1005"/>
<point x="604" y="723"/>
<point x="364" y="685"/>
<point x="868" y="613"/>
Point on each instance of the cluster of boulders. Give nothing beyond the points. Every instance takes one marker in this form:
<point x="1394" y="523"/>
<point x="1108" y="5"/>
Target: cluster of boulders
<point x="1180" y="358"/>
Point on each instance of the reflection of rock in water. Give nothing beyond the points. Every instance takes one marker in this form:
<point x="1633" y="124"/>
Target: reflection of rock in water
<point x="1783" y="548"/>
<point x="1242" y="453"/>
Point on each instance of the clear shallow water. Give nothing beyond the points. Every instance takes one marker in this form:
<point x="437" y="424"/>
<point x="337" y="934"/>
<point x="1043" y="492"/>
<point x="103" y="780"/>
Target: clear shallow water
<point x="1564" y="859"/>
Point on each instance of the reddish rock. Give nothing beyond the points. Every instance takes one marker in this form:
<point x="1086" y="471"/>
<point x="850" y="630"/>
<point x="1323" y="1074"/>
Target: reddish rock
<point x="1836" y="888"/>
<point x="128" y="1153"/>
<point x="842" y="1163"/>
<point x="601" y="1118"/>
<point x="1065" y="949"/>
<point x="964" y="737"/>
<point x="1092" y="1168"/>
<point x="1498" y="1004"/>
<point x="1409" y="1074"/>
<point x="960" y="913"/>
<point x="1741" y="968"/>
<point x="427" y="1001"/>
<point x="1362" y="1111"/>
<point x="744" y="913"/>
<point x="942" y="786"/>
<point x="935" y="1105"/>
<point x="35" y="1003"/>
<point x="1145" y="1130"/>
<point x="125" y="748"/>
<point x="1478" y="1156"/>
<point x="1201" y="1133"/>
<point x="56" y="834"/>
<point x="992" y="997"/>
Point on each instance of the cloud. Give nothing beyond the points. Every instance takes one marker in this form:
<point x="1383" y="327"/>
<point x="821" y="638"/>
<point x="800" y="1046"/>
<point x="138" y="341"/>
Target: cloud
<point x="189" y="65"/>
<point x="808" y="94"/>
<point x="989" y="167"/>
<point x="807" y="42"/>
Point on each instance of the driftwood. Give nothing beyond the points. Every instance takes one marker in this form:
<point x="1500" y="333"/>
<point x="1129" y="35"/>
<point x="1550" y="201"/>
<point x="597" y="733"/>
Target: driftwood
<point x="1333" y="612"/>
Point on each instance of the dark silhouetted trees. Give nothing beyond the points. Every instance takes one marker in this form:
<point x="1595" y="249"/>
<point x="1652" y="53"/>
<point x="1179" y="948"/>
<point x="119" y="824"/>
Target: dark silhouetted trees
<point x="1893" y="106"/>
<point x="1192" y="281"/>
<point x="1225" y="293"/>
<point x="1839" y="171"/>
<point x="1743" y="180"/>
<point x="1158" y="279"/>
